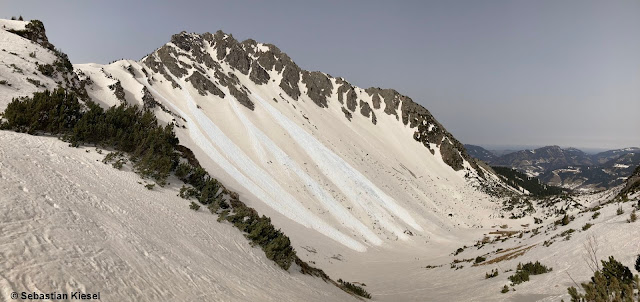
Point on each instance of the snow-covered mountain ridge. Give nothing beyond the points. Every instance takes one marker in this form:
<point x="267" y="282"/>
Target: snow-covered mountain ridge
<point x="361" y="166"/>
<point x="192" y="56"/>
<point x="359" y="195"/>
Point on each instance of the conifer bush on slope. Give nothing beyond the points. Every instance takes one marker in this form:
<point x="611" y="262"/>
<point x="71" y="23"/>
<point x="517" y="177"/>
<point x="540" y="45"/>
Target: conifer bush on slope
<point x="358" y="290"/>
<point x="151" y="147"/>
<point x="155" y="153"/>
<point x="613" y="282"/>
<point x="524" y="271"/>
<point x="124" y="128"/>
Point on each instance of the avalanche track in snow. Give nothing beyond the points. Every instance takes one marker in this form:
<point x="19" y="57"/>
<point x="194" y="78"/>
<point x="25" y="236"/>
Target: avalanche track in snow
<point x="362" y="184"/>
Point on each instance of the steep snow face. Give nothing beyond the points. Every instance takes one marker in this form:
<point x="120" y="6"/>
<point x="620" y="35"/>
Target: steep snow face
<point x="311" y="151"/>
<point x="29" y="63"/>
<point x="19" y="75"/>
<point x="65" y="228"/>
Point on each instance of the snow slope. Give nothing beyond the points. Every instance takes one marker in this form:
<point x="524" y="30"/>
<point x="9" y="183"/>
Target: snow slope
<point x="64" y="228"/>
<point x="406" y="277"/>
<point x="363" y="183"/>
<point x="352" y="194"/>
<point x="17" y="66"/>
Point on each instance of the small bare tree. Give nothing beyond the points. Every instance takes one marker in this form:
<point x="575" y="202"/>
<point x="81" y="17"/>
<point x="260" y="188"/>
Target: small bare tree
<point x="591" y="253"/>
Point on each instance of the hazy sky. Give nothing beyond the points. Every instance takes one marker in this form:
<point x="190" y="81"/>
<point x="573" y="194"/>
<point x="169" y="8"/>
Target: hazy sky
<point x="493" y="72"/>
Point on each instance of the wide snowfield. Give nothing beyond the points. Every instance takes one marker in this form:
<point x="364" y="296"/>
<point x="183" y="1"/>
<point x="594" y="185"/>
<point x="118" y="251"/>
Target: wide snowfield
<point x="68" y="223"/>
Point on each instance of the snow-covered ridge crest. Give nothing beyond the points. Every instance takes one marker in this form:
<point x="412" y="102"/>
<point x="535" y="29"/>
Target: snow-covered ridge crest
<point x="266" y="65"/>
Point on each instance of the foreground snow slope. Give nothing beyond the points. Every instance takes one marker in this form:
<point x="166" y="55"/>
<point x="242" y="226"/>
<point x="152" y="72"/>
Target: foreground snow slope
<point x="68" y="222"/>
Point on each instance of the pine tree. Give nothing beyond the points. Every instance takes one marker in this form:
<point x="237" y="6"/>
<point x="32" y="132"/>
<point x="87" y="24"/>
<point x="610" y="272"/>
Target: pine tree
<point x="612" y="269"/>
<point x="183" y="170"/>
<point x="614" y="282"/>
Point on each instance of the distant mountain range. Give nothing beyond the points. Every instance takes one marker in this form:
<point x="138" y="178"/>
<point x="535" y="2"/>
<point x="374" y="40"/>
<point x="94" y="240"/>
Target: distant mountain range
<point x="480" y="153"/>
<point x="569" y="168"/>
